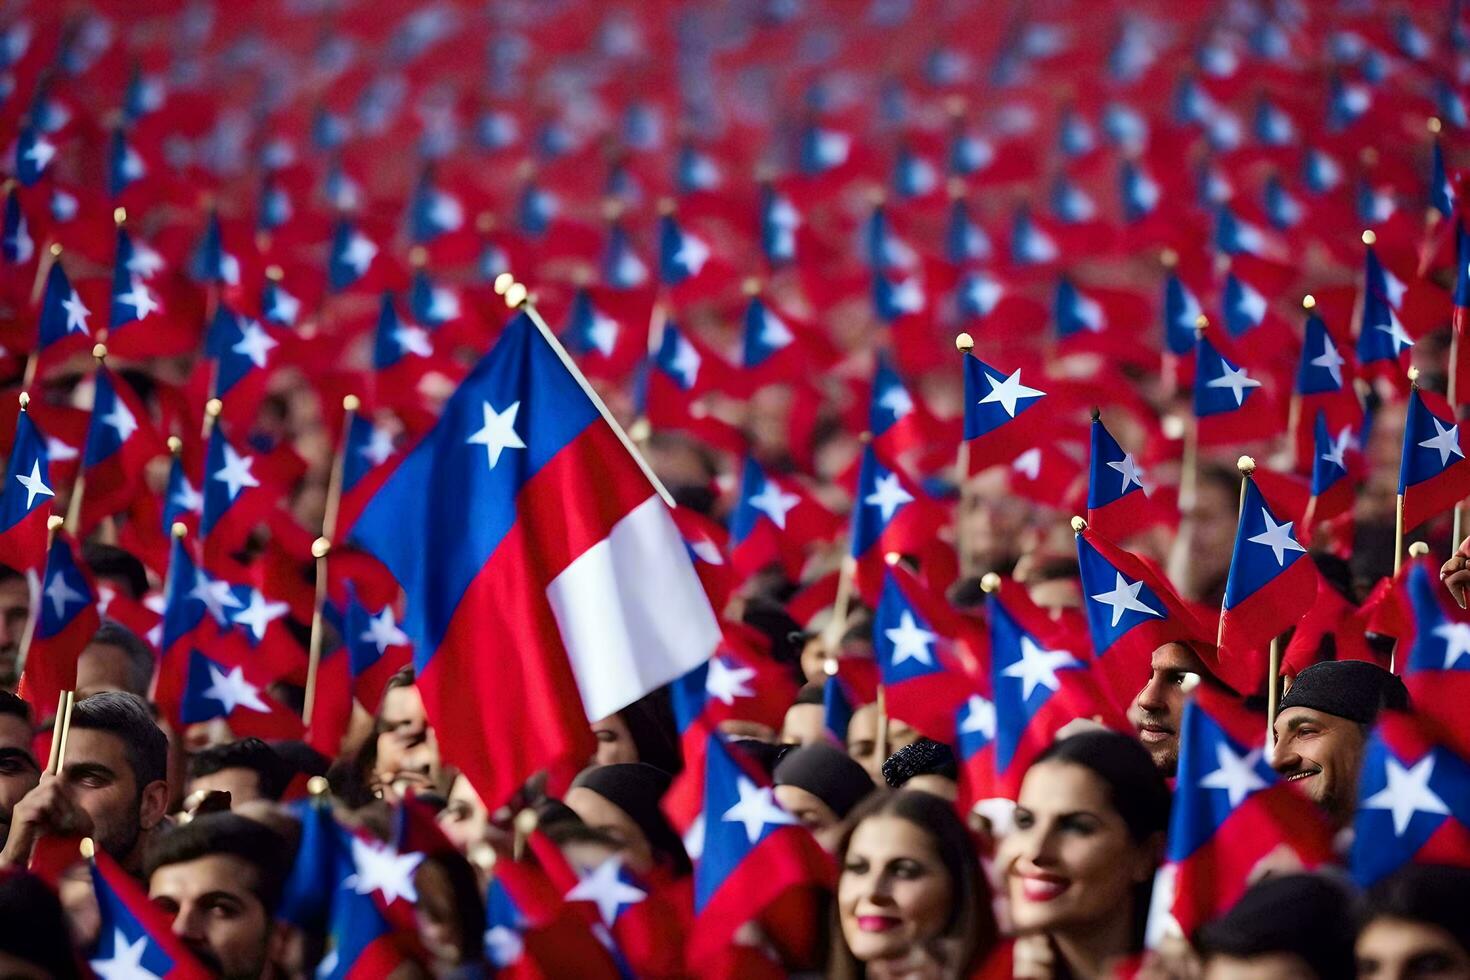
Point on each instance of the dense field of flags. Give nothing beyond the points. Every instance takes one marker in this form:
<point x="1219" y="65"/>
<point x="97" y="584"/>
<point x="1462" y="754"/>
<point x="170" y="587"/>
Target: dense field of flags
<point x="345" y="318"/>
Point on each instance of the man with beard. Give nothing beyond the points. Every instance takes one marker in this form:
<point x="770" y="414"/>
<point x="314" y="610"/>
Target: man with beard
<point x="19" y="772"/>
<point x="1322" y="728"/>
<point x="112" y="786"/>
<point x="219" y="879"/>
<point x="1156" y="712"/>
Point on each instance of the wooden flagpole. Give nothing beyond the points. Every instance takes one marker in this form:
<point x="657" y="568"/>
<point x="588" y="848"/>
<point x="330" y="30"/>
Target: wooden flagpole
<point x="320" y="549"/>
<point x="518" y="297"/>
<point x="61" y="727"/>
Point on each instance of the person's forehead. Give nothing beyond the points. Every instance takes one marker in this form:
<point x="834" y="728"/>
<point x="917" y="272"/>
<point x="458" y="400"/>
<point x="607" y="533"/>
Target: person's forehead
<point x="229" y="774"/>
<point x="94" y="746"/>
<point x="14" y="732"/>
<point x="1298" y="715"/>
<point x="1175" y="656"/>
<point x="13" y="592"/>
<point x="227" y="873"/>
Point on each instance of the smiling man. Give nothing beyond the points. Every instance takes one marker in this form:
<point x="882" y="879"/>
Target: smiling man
<point x="1323" y="725"/>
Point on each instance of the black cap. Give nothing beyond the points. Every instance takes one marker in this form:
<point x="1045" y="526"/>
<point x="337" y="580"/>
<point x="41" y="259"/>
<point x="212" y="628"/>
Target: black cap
<point x="1305" y="915"/>
<point x="827" y="773"/>
<point x="1351" y="689"/>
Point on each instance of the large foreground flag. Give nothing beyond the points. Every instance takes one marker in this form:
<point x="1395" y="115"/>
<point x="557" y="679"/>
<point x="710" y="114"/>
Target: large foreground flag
<point x="547" y="584"/>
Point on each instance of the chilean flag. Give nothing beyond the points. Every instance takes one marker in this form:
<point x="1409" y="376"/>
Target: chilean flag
<point x="25" y="499"/>
<point x="1039" y="683"/>
<point x="64" y="328"/>
<point x="1131" y="611"/>
<point x="521" y="514"/>
<point x="226" y="683"/>
<point x="1117" y="500"/>
<point x="1222" y="389"/>
<point x="236" y="498"/>
<point x="1437" y="668"/>
<point x="1271" y="581"/>
<point x="1231" y="811"/>
<point x="245" y="354"/>
<point x="68" y="619"/>
<point x="897" y="422"/>
<point x="753" y="853"/>
<point x="1382" y="339"/>
<point x="1433" y="472"/>
<point x="608" y="330"/>
<point x="377" y="648"/>
<point x="995" y="403"/>
<point x="1413" y="798"/>
<point x="1337" y="465"/>
<point x="121" y="442"/>
<point x="135" y="938"/>
<point x="1324" y="382"/>
<point x="369" y="448"/>
<point x="929" y="660"/>
<point x="892" y="514"/>
<point x="774" y="521"/>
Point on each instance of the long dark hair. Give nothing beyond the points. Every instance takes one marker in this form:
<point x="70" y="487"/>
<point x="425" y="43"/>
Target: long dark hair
<point x="1135" y="789"/>
<point x="971" y="925"/>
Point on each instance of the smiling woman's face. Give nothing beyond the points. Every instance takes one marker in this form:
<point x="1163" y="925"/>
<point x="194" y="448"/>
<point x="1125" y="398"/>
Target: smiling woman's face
<point x="894" y="891"/>
<point x="1069" y="860"/>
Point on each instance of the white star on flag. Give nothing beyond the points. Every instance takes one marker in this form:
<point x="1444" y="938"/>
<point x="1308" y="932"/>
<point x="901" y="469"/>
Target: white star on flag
<point x="359" y="253"/>
<point x="1407" y="793"/>
<point x="284" y="307"/>
<point x="216" y="596"/>
<point x="774" y="503"/>
<point x="888" y="496"/>
<point x="126" y="962"/>
<point x="1127" y="466"/>
<point x="33" y="484"/>
<point x="187" y="498"/>
<point x="382" y="869"/>
<point x="1008" y="392"/>
<point x="59" y="452"/>
<point x="907" y="296"/>
<point x="1236" y="774"/>
<point x="1395" y="330"/>
<point x="413" y="340"/>
<point x="1330" y="360"/>
<point x="498" y="433"/>
<point x="60" y="592"/>
<point x="121" y="419"/>
<point x="1336" y="454"/>
<point x="1456" y="638"/>
<point x="1028" y="464"/>
<point x="379" y="446"/>
<point x="145" y="260"/>
<point x="755" y="810"/>
<point x="235" y="474"/>
<point x="255" y="343"/>
<point x="383" y="631"/>
<point x="1236" y="380"/>
<point x="774" y="331"/>
<point x="1445" y="441"/>
<point x="1124" y="599"/>
<point x="604" y="887"/>
<point x="898" y="401"/>
<point x="233" y="691"/>
<point x="979" y="717"/>
<point x="726" y="683"/>
<point x="983" y="293"/>
<point x="261" y="612"/>
<point x="910" y="641"/>
<point x="140" y="299"/>
<point x="693" y="253"/>
<point x="685" y="362"/>
<point x="76" y="313"/>
<point x="1277" y="537"/>
<point x="1038" y="667"/>
<point x="603" y="332"/>
<point x="41" y="153"/>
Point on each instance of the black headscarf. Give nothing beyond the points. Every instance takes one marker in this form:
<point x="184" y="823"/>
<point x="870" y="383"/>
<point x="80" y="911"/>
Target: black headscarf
<point x="827" y="773"/>
<point x="1351" y="689"/>
<point x="636" y="788"/>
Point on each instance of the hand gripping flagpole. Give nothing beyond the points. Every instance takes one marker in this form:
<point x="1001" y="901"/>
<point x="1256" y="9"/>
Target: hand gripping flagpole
<point x="517" y="297"/>
<point x="322" y="547"/>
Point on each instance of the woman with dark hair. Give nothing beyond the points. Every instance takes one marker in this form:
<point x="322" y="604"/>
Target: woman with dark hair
<point x="622" y="801"/>
<point x="1089" y="829"/>
<point x="1416" y="926"/>
<point x="644" y="731"/>
<point x="911" y="900"/>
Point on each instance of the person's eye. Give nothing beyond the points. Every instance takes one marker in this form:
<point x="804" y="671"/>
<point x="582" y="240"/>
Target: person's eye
<point x="856" y="866"/>
<point x="1081" y="826"/>
<point x="94" y="781"/>
<point x="223" y="909"/>
<point x="1023" y="820"/>
<point x="606" y="736"/>
<point x="908" y="870"/>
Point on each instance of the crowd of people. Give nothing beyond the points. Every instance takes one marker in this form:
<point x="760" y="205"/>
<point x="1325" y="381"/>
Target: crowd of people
<point x="252" y="722"/>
